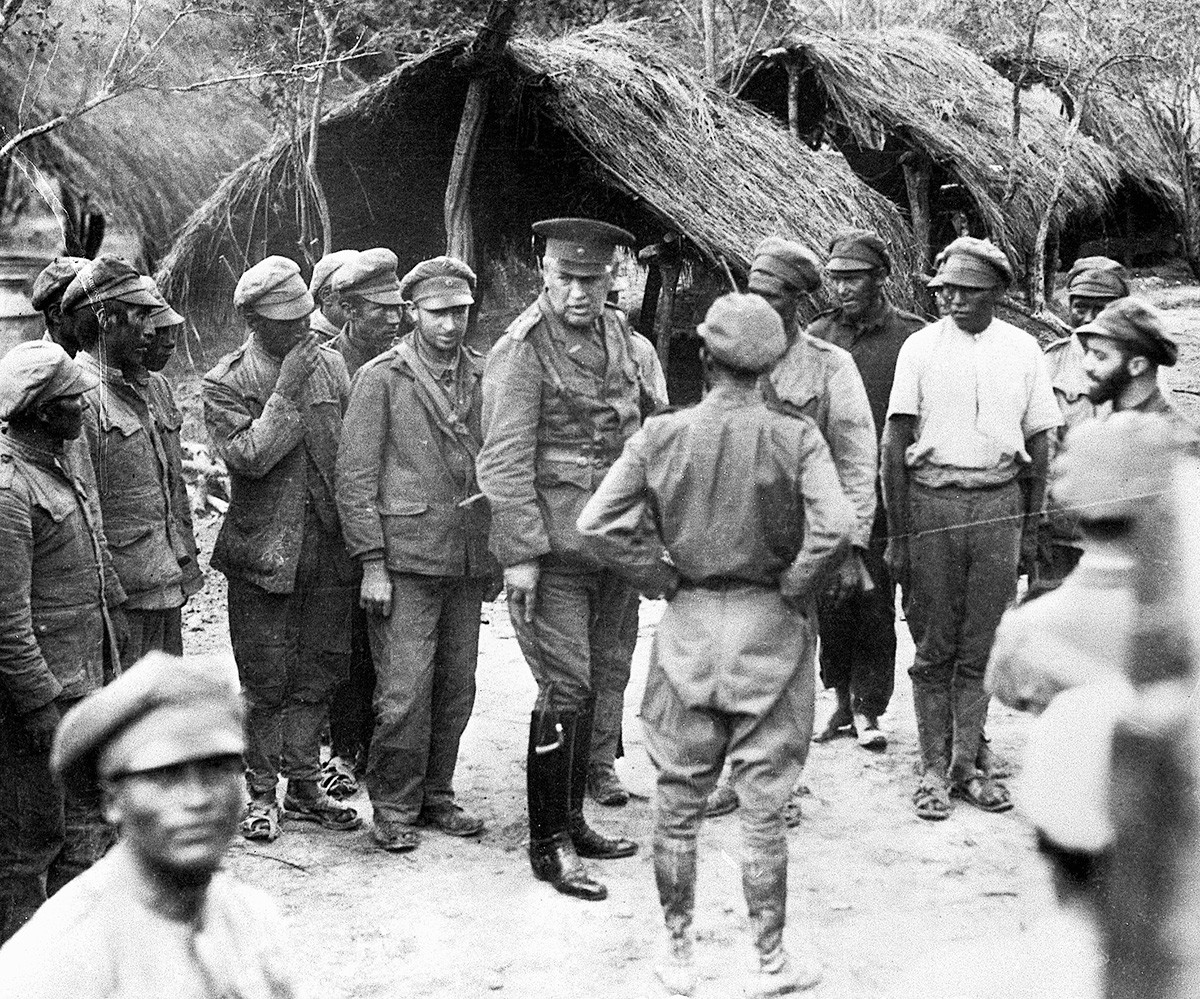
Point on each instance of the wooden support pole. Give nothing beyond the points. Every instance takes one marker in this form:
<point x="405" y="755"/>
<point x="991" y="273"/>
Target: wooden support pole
<point x="793" y="72"/>
<point x="665" y="312"/>
<point x="645" y="323"/>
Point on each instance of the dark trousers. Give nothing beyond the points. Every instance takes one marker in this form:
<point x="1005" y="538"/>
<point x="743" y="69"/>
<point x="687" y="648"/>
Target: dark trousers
<point x="576" y="637"/>
<point x="153" y="631"/>
<point x="963" y="557"/>
<point x="292" y="650"/>
<point x="425" y="653"/>
<point x="858" y="637"/>
<point x="351" y="714"/>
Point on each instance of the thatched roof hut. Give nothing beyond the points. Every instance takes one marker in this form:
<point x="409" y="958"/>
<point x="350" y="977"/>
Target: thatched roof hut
<point x="892" y="100"/>
<point x="601" y="123"/>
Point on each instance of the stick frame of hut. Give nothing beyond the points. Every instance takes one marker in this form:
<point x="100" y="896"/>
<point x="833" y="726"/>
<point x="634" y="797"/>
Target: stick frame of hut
<point x="601" y="123"/>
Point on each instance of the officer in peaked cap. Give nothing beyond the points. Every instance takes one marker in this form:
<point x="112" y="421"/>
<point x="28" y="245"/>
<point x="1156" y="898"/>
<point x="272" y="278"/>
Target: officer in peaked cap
<point x="48" y="288"/>
<point x="273" y="408"/>
<point x="560" y="398"/>
<point x="327" y="319"/>
<point x="368" y="293"/>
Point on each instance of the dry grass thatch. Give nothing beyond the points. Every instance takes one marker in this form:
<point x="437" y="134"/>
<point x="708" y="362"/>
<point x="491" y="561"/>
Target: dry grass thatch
<point x="656" y="148"/>
<point x="925" y="92"/>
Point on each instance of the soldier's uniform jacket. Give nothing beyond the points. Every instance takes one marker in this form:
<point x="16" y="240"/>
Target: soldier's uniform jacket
<point x="321" y="326"/>
<point x="123" y="430"/>
<point x="353" y="352"/>
<point x="53" y="589"/>
<point x="406" y="466"/>
<point x="281" y="457"/>
<point x="1187" y="436"/>
<point x="821" y="381"/>
<point x="557" y="410"/>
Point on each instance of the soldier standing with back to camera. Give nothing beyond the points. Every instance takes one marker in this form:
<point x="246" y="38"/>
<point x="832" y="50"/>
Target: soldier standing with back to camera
<point x="560" y="398"/>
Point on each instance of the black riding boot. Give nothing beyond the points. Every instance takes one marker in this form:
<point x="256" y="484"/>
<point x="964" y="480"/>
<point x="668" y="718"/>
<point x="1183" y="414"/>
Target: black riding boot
<point x="548" y="779"/>
<point x="588" y="842"/>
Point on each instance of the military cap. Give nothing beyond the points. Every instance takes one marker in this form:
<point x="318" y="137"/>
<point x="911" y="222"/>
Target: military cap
<point x="326" y="268"/>
<point x="106" y="279"/>
<point x="163" y="314"/>
<point x="743" y="332"/>
<point x="274" y="288"/>
<point x="50" y="284"/>
<point x="370" y="275"/>
<point x="857" y="250"/>
<point x="160" y="712"/>
<point x="786" y="261"/>
<point x="1097" y="277"/>
<point x="1138" y="326"/>
<point x="440" y="283"/>
<point x="35" y="372"/>
<point x="584" y="247"/>
<point x="972" y="263"/>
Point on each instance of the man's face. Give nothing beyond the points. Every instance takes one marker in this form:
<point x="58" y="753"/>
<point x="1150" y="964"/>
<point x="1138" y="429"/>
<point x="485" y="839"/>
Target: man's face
<point x="278" y="336"/>
<point x="179" y="819"/>
<point x="779" y="297"/>
<point x="162" y="346"/>
<point x="441" y="330"/>
<point x="125" y="334"/>
<point x="1085" y="309"/>
<point x="1108" y="368"/>
<point x="62" y="418"/>
<point x="375" y="323"/>
<point x="858" y="292"/>
<point x="972" y="309"/>
<point x="575" y="299"/>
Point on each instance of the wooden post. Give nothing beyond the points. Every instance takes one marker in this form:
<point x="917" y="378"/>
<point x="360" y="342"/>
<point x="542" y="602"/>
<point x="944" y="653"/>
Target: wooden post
<point x="665" y="312"/>
<point x="793" y="72"/>
<point x="917" y="171"/>
<point x="645" y="323"/>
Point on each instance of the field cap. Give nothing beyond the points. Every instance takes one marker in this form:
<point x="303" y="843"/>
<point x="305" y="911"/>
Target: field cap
<point x="162" y="711"/>
<point x="583" y="247"/>
<point x="969" y="262"/>
<point x="370" y="275"/>
<point x="744" y="332"/>
<point x="784" y="262"/>
<point x="1138" y="326"/>
<point x="106" y="279"/>
<point x="1097" y="277"/>
<point x="37" y="371"/>
<point x="274" y="288"/>
<point x="163" y="315"/>
<point x="49" y="285"/>
<point x="857" y="250"/>
<point x="326" y="268"/>
<point x="439" y="283"/>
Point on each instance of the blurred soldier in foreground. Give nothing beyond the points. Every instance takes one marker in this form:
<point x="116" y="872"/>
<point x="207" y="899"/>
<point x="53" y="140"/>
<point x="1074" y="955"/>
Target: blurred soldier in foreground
<point x="274" y="413"/>
<point x="560" y="398"/>
<point x="970" y="411"/>
<point x="156" y="916"/>
<point x="414" y="519"/>
<point x="858" y="631"/>
<point x="46" y="297"/>
<point x="328" y="318"/>
<point x="732" y="663"/>
<point x="54" y="596"/>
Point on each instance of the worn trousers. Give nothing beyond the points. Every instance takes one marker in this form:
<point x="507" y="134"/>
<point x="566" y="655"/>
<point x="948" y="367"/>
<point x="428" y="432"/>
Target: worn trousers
<point x="858" y="637"/>
<point x="575" y="638"/>
<point x="963" y="560"/>
<point x="351" y="714"/>
<point x="292" y="650"/>
<point x="153" y="631"/>
<point x="425" y="654"/>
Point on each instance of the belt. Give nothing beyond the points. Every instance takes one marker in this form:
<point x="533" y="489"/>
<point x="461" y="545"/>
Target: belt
<point x="722" y="583"/>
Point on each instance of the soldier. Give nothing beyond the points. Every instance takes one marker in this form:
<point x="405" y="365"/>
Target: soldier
<point x="368" y="293"/>
<point x="156" y="916"/>
<point x="858" y="634"/>
<point x="48" y="288"/>
<point x="970" y="411"/>
<point x="127" y="452"/>
<point x="1092" y="283"/>
<point x="821" y="381"/>
<point x="274" y="410"/>
<point x="733" y="655"/>
<point x="560" y="398"/>
<point x="327" y="318"/>
<point x="55" y="597"/>
<point x="413" y="518"/>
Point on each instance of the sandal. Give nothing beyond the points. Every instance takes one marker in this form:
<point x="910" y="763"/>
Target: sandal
<point x="337" y="779"/>
<point x="932" y="799"/>
<point x="984" y="793"/>
<point x="261" y="822"/>
<point x="323" y="810"/>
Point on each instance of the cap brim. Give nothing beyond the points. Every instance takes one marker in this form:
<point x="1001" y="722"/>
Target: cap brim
<point x="298" y="308"/>
<point x="168" y="317"/>
<point x="138" y="296"/>
<point x="847" y="265"/>
<point x="581" y="268"/>
<point x="383" y="297"/>
<point x="435" y="303"/>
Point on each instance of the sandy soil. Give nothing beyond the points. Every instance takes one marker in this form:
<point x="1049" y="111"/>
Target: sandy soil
<point x="891" y="905"/>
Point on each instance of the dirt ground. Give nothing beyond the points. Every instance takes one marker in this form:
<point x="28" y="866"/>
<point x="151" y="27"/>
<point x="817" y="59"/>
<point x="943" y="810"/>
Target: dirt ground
<point x="891" y="906"/>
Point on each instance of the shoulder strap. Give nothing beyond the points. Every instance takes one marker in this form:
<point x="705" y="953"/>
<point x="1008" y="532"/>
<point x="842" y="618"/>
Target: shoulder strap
<point x="442" y="408"/>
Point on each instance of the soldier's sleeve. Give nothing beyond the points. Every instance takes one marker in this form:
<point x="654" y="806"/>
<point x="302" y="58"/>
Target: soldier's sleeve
<point x="854" y="447"/>
<point x="249" y="446"/>
<point x="505" y="469"/>
<point x="78" y="464"/>
<point x="829" y="518"/>
<point x="359" y="455"/>
<point x="26" y="679"/>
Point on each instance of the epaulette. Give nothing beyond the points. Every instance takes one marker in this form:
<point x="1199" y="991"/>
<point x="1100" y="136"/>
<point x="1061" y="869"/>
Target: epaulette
<point x="519" y="328"/>
<point x="225" y="363"/>
<point x="782" y="406"/>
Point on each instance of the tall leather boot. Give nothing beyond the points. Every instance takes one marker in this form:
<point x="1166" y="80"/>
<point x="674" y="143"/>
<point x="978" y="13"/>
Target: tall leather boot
<point x="547" y="781"/>
<point x="588" y="842"/>
<point x="764" y="883"/>
<point x="675" y="875"/>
